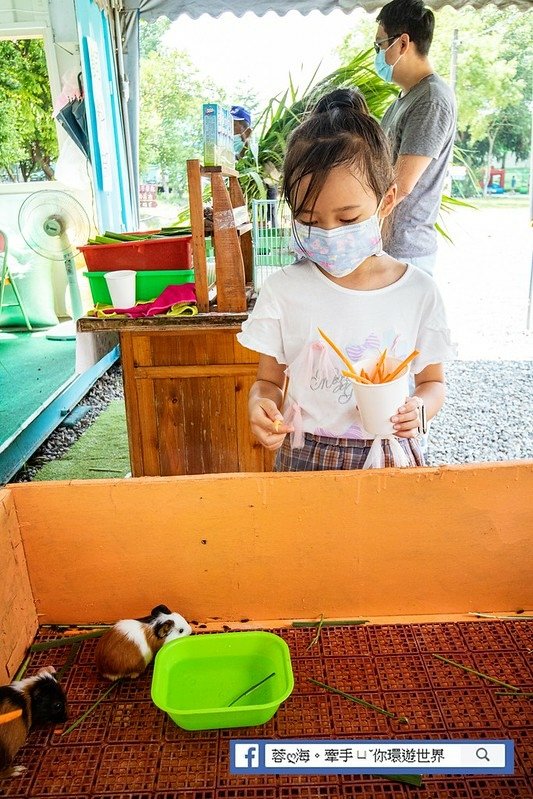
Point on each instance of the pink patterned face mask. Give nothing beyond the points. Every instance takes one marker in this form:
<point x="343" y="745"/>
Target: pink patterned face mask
<point x="341" y="250"/>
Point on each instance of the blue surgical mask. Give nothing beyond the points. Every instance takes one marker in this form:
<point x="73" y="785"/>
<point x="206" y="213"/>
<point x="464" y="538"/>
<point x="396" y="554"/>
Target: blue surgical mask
<point x="238" y="144"/>
<point x="341" y="250"/>
<point x="383" y="69"/>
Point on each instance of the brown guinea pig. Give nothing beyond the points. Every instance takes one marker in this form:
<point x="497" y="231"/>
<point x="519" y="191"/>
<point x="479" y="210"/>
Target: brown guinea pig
<point x="35" y="700"/>
<point x="130" y="645"/>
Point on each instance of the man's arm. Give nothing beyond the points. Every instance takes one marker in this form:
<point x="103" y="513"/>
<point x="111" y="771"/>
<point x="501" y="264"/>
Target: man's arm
<point x="409" y="169"/>
<point x="426" y="131"/>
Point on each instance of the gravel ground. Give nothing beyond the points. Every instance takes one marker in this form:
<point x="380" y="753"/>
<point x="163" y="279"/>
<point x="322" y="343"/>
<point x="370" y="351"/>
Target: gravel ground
<point x="488" y="413"/>
<point x="488" y="416"/>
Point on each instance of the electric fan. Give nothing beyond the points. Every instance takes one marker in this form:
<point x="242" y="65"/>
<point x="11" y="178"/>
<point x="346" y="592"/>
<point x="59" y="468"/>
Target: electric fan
<point x="52" y="223"/>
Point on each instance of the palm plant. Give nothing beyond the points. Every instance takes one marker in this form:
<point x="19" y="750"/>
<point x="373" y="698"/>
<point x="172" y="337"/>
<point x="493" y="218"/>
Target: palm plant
<point x="284" y="112"/>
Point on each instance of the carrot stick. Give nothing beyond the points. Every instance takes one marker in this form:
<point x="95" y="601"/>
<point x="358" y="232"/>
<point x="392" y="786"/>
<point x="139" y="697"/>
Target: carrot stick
<point x="378" y="372"/>
<point x="402" y="366"/>
<point x="13" y="714"/>
<point x="355" y="376"/>
<point x="341" y="355"/>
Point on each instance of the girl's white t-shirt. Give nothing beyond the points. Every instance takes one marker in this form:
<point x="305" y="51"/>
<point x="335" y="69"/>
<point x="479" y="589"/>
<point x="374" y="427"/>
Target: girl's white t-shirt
<point x="297" y="300"/>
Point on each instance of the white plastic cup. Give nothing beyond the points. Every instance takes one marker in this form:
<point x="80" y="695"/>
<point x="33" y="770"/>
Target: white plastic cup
<point x="377" y="402"/>
<point x="121" y="285"/>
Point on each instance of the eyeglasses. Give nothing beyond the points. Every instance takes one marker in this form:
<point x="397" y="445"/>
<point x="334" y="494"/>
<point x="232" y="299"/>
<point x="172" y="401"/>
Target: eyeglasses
<point x="377" y="45"/>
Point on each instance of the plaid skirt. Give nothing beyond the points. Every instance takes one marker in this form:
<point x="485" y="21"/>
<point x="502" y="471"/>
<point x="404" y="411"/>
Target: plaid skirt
<point x="320" y="453"/>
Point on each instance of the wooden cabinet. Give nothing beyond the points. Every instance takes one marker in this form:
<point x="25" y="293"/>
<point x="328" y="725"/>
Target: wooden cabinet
<point x="188" y="407"/>
<point x="186" y="384"/>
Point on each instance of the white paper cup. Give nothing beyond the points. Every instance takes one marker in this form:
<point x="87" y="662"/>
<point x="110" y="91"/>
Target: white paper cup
<point x="121" y="285"/>
<point x="377" y="402"/>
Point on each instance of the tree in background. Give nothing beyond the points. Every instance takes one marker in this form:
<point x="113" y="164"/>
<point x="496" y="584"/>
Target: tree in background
<point x="171" y="95"/>
<point x="28" y="141"/>
<point x="494" y="64"/>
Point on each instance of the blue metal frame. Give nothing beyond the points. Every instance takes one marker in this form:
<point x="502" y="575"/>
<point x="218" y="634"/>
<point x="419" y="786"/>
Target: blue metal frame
<point x="113" y="194"/>
<point x="22" y="446"/>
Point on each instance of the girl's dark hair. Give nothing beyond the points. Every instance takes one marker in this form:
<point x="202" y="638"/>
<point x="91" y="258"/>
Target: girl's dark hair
<point x="412" y="17"/>
<point x="338" y="132"/>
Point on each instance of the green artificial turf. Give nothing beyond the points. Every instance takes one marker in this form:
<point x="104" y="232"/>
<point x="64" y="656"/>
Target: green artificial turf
<point x="32" y="369"/>
<point x="101" y="451"/>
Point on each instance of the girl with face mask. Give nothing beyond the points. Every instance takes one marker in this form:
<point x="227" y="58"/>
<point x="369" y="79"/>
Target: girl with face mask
<point x="339" y="185"/>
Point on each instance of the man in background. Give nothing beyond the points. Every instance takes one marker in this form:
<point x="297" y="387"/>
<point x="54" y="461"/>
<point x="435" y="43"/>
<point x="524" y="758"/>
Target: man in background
<point x="420" y="125"/>
<point x="242" y="129"/>
<point x="244" y="138"/>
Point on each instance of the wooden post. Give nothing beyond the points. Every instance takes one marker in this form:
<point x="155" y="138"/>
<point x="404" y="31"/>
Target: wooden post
<point x="196" y="207"/>
<point x="231" y="288"/>
<point x="237" y="200"/>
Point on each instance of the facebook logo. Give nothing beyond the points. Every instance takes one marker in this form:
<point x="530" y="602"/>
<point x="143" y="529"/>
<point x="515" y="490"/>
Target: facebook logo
<point x="246" y="755"/>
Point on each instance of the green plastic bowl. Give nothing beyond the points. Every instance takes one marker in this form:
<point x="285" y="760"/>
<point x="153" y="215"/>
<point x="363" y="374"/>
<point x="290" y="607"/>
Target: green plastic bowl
<point x="196" y="679"/>
<point x="148" y="284"/>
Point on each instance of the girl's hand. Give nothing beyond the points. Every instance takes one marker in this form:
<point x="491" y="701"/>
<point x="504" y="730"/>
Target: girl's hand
<point x="267" y="425"/>
<point x="407" y="419"/>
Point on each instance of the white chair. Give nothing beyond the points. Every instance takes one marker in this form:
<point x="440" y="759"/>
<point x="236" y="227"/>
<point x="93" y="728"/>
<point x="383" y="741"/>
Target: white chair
<point x="7" y="282"/>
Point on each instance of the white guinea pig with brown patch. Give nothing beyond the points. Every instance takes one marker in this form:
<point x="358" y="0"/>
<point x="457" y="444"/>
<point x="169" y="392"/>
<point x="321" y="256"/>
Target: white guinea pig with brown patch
<point x="130" y="645"/>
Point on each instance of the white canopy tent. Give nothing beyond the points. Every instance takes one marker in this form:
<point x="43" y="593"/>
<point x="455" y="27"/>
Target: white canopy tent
<point x="152" y="9"/>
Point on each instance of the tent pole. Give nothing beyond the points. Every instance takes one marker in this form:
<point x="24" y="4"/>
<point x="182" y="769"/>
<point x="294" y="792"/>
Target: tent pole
<point x="124" y="97"/>
<point x="530" y="295"/>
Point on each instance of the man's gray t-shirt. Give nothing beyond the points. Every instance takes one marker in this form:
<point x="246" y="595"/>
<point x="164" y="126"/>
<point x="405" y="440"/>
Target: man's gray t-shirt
<point x="421" y="122"/>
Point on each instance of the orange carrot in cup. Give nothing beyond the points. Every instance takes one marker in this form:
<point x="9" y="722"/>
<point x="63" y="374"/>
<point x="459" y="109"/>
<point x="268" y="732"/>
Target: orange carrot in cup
<point x="355" y="376"/>
<point x="341" y="355"/>
<point x="401" y="367"/>
<point x="378" y="372"/>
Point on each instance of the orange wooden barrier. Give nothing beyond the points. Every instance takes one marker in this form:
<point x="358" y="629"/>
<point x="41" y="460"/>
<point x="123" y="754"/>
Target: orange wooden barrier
<point x="279" y="546"/>
<point x="18" y="618"/>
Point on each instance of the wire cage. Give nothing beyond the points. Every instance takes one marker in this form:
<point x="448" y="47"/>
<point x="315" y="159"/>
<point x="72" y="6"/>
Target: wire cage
<point x="271" y="238"/>
<point x="211" y="263"/>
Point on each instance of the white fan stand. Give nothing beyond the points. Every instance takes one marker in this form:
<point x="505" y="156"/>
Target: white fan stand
<point x="53" y="223"/>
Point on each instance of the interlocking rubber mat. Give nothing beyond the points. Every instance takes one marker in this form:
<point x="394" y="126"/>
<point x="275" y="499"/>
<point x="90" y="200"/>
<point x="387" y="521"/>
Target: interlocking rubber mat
<point x="128" y="749"/>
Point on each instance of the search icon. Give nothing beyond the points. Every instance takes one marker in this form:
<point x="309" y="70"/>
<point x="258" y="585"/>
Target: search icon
<point x="482" y="754"/>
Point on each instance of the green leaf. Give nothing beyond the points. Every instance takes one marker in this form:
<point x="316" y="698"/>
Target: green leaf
<point x="408" y="779"/>
<point x="316" y="638"/>
<point x="43" y="646"/>
<point x="252" y="688"/>
<point x="82" y="718"/>
<point x="441" y="230"/>
<point x="23" y="668"/>
<point x="477" y="673"/>
<point x="358" y="701"/>
<point x="330" y="623"/>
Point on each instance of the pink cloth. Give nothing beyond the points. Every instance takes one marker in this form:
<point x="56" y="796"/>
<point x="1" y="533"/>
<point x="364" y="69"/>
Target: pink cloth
<point x="293" y="416"/>
<point x="168" y="297"/>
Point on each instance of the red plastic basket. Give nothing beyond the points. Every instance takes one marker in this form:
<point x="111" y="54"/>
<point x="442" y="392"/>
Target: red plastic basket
<point x="170" y="252"/>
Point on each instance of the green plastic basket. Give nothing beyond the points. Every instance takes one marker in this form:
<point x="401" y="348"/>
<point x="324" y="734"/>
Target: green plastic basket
<point x="148" y="284"/>
<point x="197" y="679"/>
